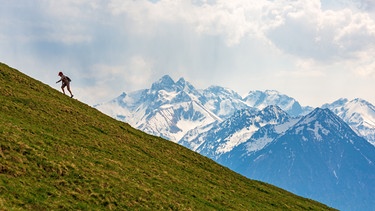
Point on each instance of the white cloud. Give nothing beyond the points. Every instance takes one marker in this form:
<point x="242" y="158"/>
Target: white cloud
<point x="361" y="5"/>
<point x="139" y="72"/>
<point x="306" y="68"/>
<point x="231" y="19"/>
<point x="63" y="22"/>
<point x="135" y="73"/>
<point x="366" y="70"/>
<point x="357" y="34"/>
<point x="366" y="67"/>
<point x="301" y="28"/>
<point x="108" y="81"/>
<point x="310" y="32"/>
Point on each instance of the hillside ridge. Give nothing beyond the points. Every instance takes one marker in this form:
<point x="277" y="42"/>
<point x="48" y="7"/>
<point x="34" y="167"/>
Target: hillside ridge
<point x="59" y="153"/>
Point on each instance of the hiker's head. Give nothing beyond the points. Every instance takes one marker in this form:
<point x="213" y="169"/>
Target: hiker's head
<point x="60" y="73"/>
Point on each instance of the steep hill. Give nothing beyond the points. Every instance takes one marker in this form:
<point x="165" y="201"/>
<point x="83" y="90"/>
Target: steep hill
<point x="58" y="153"/>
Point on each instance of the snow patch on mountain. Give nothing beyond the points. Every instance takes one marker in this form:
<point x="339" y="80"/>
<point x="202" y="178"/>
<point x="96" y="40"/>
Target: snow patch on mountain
<point x="237" y="138"/>
<point x="281" y="128"/>
<point x="193" y="138"/>
<point x="256" y="144"/>
<point x="259" y="144"/>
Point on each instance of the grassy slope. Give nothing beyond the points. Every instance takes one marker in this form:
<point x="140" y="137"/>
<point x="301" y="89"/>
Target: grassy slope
<point x="58" y="153"/>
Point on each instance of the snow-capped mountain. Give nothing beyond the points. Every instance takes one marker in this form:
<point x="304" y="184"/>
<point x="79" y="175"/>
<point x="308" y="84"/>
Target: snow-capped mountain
<point x="173" y="110"/>
<point x="260" y="139"/>
<point x="319" y="157"/>
<point x="260" y="100"/>
<point x="358" y="114"/>
<point x="222" y="101"/>
<point x="223" y="137"/>
<point x="168" y="109"/>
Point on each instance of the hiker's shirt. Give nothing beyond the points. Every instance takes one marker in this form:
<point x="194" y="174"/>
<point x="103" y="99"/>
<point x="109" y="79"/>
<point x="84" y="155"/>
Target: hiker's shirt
<point x="64" y="79"/>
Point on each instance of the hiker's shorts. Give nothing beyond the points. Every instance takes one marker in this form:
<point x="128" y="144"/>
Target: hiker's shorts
<point x="63" y="85"/>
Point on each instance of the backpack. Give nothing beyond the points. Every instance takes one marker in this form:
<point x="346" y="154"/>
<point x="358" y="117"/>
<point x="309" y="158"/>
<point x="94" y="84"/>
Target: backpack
<point x="68" y="79"/>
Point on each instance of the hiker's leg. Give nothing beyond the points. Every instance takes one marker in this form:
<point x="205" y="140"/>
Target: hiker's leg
<point x="68" y="87"/>
<point x="62" y="87"/>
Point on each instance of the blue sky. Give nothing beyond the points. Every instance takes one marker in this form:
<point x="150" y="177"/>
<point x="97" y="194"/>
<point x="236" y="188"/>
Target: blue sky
<point x="315" y="51"/>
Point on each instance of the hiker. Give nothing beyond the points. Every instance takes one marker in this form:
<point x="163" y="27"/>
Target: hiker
<point x="65" y="83"/>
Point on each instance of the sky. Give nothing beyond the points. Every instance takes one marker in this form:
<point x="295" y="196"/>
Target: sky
<point x="315" y="51"/>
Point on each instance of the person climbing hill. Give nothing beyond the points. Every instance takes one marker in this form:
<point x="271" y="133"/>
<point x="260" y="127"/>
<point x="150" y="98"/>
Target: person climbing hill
<point x="65" y="83"/>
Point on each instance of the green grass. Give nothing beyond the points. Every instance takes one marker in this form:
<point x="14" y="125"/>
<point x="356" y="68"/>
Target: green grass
<point x="58" y="153"/>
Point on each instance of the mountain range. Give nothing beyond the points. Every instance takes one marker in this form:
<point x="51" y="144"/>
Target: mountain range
<point x="325" y="153"/>
<point x="173" y="110"/>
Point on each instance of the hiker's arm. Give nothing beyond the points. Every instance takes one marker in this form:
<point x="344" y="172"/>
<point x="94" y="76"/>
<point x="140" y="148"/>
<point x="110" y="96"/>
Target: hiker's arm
<point x="58" y="81"/>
